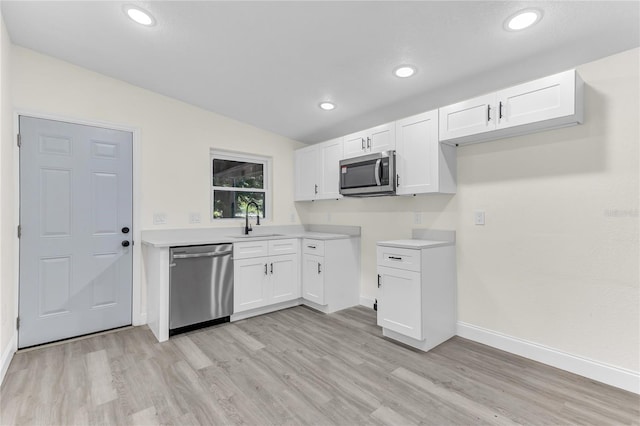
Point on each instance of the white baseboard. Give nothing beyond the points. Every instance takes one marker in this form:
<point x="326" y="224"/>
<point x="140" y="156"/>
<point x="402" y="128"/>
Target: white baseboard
<point x="7" y="356"/>
<point x="615" y="376"/>
<point x="367" y="301"/>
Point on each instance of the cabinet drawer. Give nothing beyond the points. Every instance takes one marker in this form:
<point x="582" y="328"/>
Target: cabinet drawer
<point x="313" y="247"/>
<point x="399" y="258"/>
<point x="288" y="246"/>
<point x="250" y="249"/>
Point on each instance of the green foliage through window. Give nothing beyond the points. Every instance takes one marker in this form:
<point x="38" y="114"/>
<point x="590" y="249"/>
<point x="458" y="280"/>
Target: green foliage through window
<point x="235" y="184"/>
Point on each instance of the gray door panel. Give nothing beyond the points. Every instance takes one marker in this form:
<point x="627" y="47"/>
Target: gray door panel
<point x="75" y="198"/>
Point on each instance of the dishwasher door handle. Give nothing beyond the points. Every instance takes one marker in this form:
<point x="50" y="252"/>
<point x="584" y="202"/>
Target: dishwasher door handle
<point x="208" y="254"/>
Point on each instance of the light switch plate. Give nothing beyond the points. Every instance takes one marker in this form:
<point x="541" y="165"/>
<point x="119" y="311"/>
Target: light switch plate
<point x="478" y="217"/>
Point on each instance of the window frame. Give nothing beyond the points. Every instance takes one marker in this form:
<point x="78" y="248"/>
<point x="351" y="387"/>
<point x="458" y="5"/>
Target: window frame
<point x="242" y="157"/>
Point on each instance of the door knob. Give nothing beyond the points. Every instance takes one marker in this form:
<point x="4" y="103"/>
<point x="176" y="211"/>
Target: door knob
<point x="125" y="230"/>
<point x="125" y="243"/>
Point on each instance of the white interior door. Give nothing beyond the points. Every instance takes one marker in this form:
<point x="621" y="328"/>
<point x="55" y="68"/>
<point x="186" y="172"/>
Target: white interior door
<point x="75" y="217"/>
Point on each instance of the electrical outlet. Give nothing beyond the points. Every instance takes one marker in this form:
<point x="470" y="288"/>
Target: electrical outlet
<point x="194" y="217"/>
<point x="417" y="218"/>
<point x="159" y="218"/>
<point x="478" y="217"/>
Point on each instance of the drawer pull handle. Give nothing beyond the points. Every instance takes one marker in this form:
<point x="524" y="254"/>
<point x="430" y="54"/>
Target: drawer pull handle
<point x="312" y="247"/>
<point x="394" y="258"/>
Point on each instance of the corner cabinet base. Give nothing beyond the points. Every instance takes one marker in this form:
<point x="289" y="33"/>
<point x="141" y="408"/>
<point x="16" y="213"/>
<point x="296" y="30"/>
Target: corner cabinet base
<point x="326" y="309"/>
<point x="423" y="345"/>
<point x="265" y="310"/>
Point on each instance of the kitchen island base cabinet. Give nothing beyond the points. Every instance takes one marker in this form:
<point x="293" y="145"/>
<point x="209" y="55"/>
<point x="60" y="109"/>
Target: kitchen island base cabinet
<point x="417" y="294"/>
<point x="331" y="274"/>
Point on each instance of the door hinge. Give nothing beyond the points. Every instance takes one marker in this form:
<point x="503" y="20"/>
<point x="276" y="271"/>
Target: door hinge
<point x="19" y="231"/>
<point x="17" y="323"/>
<point x="19" y="140"/>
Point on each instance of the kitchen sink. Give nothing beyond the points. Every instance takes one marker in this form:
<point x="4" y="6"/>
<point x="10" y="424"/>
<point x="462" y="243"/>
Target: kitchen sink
<point x="256" y="236"/>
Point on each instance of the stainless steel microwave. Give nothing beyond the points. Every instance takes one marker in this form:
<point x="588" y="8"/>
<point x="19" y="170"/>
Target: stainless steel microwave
<point x="369" y="175"/>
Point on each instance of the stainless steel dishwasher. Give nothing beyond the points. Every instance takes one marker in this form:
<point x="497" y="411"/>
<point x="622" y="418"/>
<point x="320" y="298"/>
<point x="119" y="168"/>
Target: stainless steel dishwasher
<point x="201" y="286"/>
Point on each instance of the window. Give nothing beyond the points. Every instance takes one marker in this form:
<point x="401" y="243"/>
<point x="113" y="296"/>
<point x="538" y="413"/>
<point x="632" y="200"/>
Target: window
<point x="237" y="181"/>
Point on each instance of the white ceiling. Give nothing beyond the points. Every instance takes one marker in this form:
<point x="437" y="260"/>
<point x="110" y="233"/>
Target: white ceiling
<point x="270" y="63"/>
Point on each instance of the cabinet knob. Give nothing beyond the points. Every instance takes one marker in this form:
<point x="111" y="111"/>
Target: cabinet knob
<point x="125" y="243"/>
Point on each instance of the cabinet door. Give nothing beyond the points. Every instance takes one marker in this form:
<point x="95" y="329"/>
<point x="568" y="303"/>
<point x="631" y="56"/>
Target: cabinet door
<point x="539" y="100"/>
<point x="306" y="170"/>
<point x="470" y="117"/>
<point x="417" y="149"/>
<point x="313" y="278"/>
<point x="283" y="274"/>
<point x="250" y="283"/>
<point x="381" y="138"/>
<point x="330" y="154"/>
<point x="400" y="302"/>
<point x="354" y="145"/>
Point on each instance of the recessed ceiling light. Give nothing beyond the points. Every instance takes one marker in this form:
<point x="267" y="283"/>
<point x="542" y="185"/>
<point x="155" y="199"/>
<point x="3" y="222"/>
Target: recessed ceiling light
<point x="404" y="71"/>
<point x="327" y="106"/>
<point x="140" y="16"/>
<point x="522" y="20"/>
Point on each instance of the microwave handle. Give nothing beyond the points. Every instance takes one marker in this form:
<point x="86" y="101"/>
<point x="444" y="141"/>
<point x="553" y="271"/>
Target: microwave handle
<point x="378" y="169"/>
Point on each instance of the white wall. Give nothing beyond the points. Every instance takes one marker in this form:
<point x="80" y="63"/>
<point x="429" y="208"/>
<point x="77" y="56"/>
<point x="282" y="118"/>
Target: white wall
<point x="555" y="263"/>
<point x="7" y="193"/>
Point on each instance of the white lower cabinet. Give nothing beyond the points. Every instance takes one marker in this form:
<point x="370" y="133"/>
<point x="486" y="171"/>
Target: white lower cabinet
<point x="331" y="273"/>
<point x="312" y="278"/>
<point x="265" y="273"/>
<point x="400" y="308"/>
<point x="250" y="283"/>
<point x="417" y="294"/>
<point x="285" y="284"/>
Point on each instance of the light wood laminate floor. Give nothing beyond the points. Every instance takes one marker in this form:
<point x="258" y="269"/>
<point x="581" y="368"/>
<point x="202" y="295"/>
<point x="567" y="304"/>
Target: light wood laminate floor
<point x="296" y="367"/>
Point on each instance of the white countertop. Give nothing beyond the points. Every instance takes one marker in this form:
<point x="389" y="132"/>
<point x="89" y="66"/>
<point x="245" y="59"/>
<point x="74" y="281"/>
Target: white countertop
<point x="195" y="236"/>
<point x="414" y="244"/>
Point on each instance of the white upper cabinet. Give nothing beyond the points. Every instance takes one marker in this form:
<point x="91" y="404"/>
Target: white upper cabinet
<point x="330" y="154"/>
<point x="377" y="139"/>
<point x="546" y="103"/>
<point x="306" y="165"/>
<point x="317" y="171"/>
<point x="539" y="100"/>
<point x="423" y="165"/>
<point x="469" y="117"/>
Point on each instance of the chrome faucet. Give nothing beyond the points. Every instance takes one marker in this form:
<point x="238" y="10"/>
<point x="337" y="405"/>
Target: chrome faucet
<point x="247" y="227"/>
